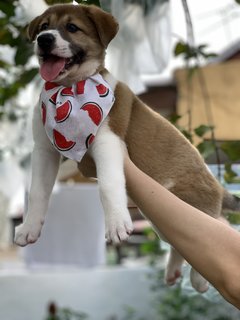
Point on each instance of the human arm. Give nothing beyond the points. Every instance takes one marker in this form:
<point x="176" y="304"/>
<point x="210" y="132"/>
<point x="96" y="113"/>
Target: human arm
<point x="210" y="246"/>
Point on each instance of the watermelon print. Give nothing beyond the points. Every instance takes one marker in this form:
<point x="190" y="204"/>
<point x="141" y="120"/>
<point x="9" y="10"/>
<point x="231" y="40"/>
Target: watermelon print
<point x="102" y="90"/>
<point x="81" y="87"/>
<point x="94" y="111"/>
<point x="61" y="143"/>
<point x="44" y="113"/>
<point x="53" y="98"/>
<point x="72" y="115"/>
<point x="63" y="111"/>
<point x="89" y="140"/>
<point x="67" y="92"/>
<point x="50" y="85"/>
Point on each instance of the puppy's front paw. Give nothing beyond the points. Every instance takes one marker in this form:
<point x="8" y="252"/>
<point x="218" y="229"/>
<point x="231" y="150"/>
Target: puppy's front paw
<point x="27" y="233"/>
<point x="118" y="227"/>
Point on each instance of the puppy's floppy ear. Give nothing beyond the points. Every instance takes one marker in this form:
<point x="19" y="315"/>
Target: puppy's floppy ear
<point x="33" y="28"/>
<point x="105" y="23"/>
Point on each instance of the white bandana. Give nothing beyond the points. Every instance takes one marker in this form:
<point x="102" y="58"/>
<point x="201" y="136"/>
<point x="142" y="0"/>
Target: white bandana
<point x="71" y="116"/>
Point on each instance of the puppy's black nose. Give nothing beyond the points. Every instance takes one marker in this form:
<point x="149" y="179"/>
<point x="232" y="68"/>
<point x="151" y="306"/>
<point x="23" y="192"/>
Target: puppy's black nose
<point x="45" y="41"/>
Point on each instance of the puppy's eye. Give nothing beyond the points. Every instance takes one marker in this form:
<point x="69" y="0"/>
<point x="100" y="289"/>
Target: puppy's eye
<point x="72" y="28"/>
<point x="44" y="26"/>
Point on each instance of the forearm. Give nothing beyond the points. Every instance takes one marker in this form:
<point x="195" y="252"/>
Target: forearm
<point x="210" y="246"/>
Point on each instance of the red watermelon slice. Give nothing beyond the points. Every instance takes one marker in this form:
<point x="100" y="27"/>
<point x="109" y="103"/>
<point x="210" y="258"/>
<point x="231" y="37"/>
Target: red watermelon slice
<point x="67" y="92"/>
<point x="63" y="112"/>
<point x="50" y="85"/>
<point x="94" y="111"/>
<point x="102" y="90"/>
<point x="89" y="140"/>
<point x="81" y="86"/>
<point x="44" y="113"/>
<point x="61" y="143"/>
<point x="53" y="98"/>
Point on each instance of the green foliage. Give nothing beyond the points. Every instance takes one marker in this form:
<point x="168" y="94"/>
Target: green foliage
<point x="55" y="313"/>
<point x="152" y="243"/>
<point x="206" y="148"/>
<point x="177" y="306"/>
<point x="202" y="130"/>
<point x="232" y="150"/>
<point x="12" y="33"/>
<point x="187" y="52"/>
<point x="230" y="176"/>
<point x="68" y="314"/>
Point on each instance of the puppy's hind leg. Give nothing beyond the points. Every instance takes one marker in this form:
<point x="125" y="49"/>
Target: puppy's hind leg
<point x="174" y="267"/>
<point x="108" y="154"/>
<point x="198" y="282"/>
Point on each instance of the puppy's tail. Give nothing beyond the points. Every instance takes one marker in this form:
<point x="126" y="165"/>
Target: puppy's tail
<point x="230" y="201"/>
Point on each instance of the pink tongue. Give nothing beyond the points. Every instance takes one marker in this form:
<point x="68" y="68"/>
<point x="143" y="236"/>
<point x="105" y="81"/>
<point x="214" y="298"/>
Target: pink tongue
<point x="51" y="68"/>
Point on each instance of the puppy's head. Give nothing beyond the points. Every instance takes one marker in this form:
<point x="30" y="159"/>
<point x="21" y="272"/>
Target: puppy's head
<point x="70" y="41"/>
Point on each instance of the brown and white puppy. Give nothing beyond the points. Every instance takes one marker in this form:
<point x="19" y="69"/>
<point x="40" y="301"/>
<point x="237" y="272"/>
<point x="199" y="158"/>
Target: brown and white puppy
<point x="75" y="38"/>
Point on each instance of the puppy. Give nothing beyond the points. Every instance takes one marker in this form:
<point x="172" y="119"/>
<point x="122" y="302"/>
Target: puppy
<point x="70" y="42"/>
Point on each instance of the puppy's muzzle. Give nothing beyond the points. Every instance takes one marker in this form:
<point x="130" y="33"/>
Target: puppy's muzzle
<point x="46" y="42"/>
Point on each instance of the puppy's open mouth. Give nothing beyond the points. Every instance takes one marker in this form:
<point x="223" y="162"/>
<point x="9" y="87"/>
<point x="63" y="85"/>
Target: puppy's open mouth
<point x="52" y="66"/>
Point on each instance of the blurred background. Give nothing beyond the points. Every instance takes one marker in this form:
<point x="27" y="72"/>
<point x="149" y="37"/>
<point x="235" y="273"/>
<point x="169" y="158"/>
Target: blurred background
<point x="183" y="59"/>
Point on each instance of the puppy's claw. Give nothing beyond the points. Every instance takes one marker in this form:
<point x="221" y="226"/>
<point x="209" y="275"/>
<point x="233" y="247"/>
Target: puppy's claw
<point x="118" y="232"/>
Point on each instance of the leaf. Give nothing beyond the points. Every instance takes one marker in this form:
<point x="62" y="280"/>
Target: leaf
<point x="6" y="37"/>
<point x="23" y="53"/>
<point x="231" y="149"/>
<point x="3" y="22"/>
<point x="234" y="218"/>
<point x="4" y="65"/>
<point x="202" y="130"/>
<point x="202" y="47"/>
<point x="27" y="76"/>
<point x="8" y="8"/>
<point x="229" y="174"/>
<point x="210" y="55"/>
<point x="180" y="48"/>
<point x="187" y="134"/>
<point x="174" y="118"/>
<point x="237" y="1"/>
<point x="206" y="148"/>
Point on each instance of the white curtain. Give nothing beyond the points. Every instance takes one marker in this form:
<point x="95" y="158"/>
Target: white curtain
<point x="142" y="45"/>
